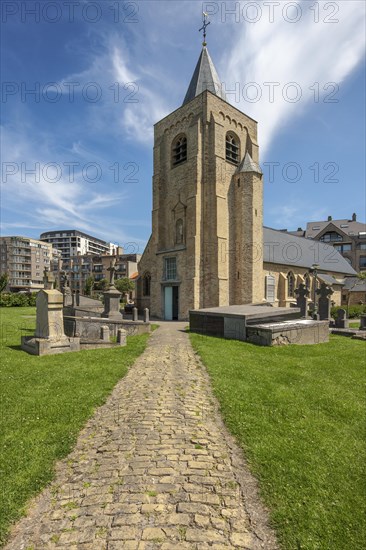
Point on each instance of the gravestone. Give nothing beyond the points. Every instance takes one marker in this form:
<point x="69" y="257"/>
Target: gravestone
<point x="363" y="322"/>
<point x="341" y="320"/>
<point x="49" y="337"/>
<point x="324" y="302"/>
<point x="302" y="296"/>
<point x="121" y="337"/>
<point x="105" y="333"/>
<point x="135" y="314"/>
<point x="112" y="297"/>
<point x="48" y="279"/>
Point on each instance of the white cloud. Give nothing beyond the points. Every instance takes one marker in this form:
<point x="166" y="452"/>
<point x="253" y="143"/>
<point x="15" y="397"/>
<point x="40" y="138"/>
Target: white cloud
<point x="304" y="52"/>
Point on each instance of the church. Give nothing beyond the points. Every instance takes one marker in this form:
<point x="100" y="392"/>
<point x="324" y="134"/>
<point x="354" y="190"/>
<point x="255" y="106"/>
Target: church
<point x="208" y="246"/>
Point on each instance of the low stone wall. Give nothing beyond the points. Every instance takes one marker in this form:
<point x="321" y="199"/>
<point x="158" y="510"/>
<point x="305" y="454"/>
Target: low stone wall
<point x="88" y="328"/>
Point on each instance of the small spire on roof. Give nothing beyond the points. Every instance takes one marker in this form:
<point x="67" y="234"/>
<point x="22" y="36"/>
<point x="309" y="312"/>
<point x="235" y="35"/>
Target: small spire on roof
<point x="248" y="165"/>
<point x="204" y="27"/>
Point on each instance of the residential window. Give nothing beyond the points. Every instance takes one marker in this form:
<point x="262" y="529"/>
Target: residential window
<point x="270" y="288"/>
<point x="290" y="285"/>
<point x="232" y="148"/>
<point x="170" y="269"/>
<point x="343" y="248"/>
<point x="331" y="236"/>
<point x="179" y="150"/>
<point x="362" y="246"/>
<point x="362" y="262"/>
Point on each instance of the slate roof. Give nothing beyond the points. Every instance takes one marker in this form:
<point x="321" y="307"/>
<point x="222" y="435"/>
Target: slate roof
<point x="360" y="284"/>
<point x="287" y="249"/>
<point x="205" y="77"/>
<point x="248" y="165"/>
<point x="350" y="227"/>
<point x="329" y="280"/>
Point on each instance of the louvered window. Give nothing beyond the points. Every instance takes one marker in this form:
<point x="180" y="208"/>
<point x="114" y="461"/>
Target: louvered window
<point x="179" y="150"/>
<point x="232" y="148"/>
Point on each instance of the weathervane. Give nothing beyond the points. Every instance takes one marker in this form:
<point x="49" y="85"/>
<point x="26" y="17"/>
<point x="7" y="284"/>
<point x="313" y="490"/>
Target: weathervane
<point x="203" y="28"/>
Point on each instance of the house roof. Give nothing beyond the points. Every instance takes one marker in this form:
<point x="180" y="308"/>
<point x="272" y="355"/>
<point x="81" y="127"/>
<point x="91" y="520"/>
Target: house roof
<point x="329" y="280"/>
<point x="349" y="227"/>
<point x="286" y="249"/>
<point x="205" y="77"/>
<point x="354" y="285"/>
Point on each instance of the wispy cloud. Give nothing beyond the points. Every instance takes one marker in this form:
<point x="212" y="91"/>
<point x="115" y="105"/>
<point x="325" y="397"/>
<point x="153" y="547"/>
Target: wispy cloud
<point x="280" y="52"/>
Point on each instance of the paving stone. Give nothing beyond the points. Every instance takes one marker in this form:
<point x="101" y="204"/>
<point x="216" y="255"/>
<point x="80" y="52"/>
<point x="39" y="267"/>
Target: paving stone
<point x="153" y="468"/>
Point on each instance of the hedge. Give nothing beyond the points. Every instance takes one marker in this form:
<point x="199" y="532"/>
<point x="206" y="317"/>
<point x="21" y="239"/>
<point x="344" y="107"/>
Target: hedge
<point x="353" y="311"/>
<point x="18" y="300"/>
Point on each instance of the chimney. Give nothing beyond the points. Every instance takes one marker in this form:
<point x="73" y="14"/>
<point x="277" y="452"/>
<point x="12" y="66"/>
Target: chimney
<point x="330" y="218"/>
<point x="354" y="217"/>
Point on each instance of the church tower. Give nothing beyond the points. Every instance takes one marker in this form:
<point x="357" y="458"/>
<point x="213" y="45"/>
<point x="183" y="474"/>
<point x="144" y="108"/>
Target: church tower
<point x="205" y="249"/>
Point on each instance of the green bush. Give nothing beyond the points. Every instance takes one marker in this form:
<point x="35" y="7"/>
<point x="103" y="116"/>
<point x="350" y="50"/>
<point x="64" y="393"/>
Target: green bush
<point x="354" y="312"/>
<point x="17" y="300"/>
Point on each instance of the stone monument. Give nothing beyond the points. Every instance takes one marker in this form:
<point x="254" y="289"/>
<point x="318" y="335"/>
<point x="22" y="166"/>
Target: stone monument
<point x="324" y="303"/>
<point x="302" y="296"/>
<point x="49" y="337"/>
<point x="112" y="296"/>
<point x="341" y="320"/>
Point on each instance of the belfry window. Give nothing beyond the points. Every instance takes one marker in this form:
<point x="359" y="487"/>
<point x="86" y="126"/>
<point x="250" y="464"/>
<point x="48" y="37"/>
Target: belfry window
<point x="232" y="148"/>
<point x="179" y="150"/>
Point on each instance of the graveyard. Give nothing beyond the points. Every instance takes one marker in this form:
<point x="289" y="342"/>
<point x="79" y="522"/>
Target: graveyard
<point x="269" y="398"/>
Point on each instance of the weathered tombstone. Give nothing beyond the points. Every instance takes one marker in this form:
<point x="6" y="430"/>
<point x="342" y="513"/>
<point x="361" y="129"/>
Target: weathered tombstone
<point x="302" y="295"/>
<point x="135" y="314"/>
<point x="112" y="297"/>
<point x="121" y="337"/>
<point x="363" y="322"/>
<point x="105" y="333"/>
<point x="48" y="279"/>
<point x="78" y="297"/>
<point x="324" y="303"/>
<point x="146" y="315"/>
<point x="341" y="320"/>
<point x="49" y="337"/>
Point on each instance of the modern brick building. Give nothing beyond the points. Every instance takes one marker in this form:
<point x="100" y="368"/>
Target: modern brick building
<point x="24" y="260"/>
<point x="348" y="237"/>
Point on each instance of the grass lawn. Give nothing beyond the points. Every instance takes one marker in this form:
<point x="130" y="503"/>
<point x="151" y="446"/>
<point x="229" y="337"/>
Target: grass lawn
<point x="299" y="414"/>
<point x="45" y="401"/>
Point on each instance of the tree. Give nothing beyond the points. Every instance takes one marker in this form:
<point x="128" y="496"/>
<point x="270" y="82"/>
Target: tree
<point x="103" y="284"/>
<point x="89" y="285"/>
<point x="4" y="278"/>
<point x="360" y="277"/>
<point x="124" y="285"/>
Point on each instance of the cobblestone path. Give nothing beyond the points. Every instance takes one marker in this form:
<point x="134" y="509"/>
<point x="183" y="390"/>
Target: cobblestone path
<point x="153" y="468"/>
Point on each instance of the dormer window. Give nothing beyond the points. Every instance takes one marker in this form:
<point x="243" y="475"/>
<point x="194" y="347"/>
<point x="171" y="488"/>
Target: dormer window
<point x="179" y="152"/>
<point x="331" y="236"/>
<point x="232" y="148"/>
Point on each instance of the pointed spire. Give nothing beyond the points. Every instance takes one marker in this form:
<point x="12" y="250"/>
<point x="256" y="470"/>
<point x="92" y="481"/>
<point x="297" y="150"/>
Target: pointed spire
<point x="248" y="165"/>
<point x="205" y="77"/>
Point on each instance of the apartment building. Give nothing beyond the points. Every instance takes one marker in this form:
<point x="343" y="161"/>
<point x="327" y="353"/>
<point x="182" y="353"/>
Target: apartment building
<point x="24" y="260"/>
<point x="72" y="243"/>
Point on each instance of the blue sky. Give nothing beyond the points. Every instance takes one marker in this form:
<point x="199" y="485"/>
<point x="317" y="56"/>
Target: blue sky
<point x="105" y="72"/>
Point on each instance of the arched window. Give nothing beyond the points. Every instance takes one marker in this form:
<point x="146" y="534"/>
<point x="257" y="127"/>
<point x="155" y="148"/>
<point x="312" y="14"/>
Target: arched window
<point x="290" y="285"/>
<point x="179" y="150"/>
<point x="307" y="280"/>
<point x="146" y="284"/>
<point x="179" y="232"/>
<point x="232" y="148"/>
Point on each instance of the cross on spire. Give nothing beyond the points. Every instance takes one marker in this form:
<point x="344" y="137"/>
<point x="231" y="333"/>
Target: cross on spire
<point x="204" y="27"/>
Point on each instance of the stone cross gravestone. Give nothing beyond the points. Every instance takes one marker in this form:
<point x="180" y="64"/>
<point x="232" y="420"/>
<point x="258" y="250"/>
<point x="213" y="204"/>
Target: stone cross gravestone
<point x="302" y="296"/>
<point x="324" y="302"/>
